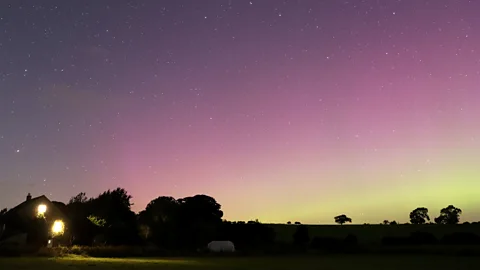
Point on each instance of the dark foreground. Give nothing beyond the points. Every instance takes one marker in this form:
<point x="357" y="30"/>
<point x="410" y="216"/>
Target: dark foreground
<point x="338" y="262"/>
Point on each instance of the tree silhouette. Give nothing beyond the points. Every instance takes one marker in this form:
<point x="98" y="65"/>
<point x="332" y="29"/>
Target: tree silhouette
<point x="113" y="206"/>
<point x="449" y="215"/>
<point x="247" y="235"/>
<point x="419" y="216"/>
<point x="393" y="223"/>
<point x="386" y="222"/>
<point x="118" y="197"/>
<point x="79" y="198"/>
<point x="201" y="207"/>
<point x="200" y="217"/>
<point x="83" y="231"/>
<point x="189" y="222"/>
<point x="342" y="219"/>
<point x="159" y="220"/>
<point x="161" y="209"/>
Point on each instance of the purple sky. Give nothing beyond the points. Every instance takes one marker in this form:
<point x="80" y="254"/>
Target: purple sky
<point x="281" y="110"/>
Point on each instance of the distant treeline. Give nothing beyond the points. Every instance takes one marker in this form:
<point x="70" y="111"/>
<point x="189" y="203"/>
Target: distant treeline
<point x="190" y="223"/>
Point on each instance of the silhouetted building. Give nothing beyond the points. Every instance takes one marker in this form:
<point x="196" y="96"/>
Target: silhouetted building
<point x="22" y="222"/>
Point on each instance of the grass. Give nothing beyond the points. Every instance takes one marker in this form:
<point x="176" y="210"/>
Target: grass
<point x="273" y="263"/>
<point x="368" y="234"/>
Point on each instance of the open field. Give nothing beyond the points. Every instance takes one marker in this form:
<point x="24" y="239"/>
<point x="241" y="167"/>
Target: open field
<point x="368" y="234"/>
<point x="275" y="263"/>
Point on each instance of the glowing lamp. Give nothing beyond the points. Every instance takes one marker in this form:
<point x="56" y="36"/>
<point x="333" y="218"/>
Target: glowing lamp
<point x="58" y="227"/>
<point x="42" y="208"/>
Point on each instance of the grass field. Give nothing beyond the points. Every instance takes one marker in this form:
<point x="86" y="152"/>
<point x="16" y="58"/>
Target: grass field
<point x="368" y="234"/>
<point x="279" y="263"/>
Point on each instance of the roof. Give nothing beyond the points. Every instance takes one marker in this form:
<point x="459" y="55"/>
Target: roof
<point x="30" y="205"/>
<point x="25" y="204"/>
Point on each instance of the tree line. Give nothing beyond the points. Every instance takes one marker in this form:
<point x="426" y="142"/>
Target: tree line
<point x="168" y="223"/>
<point x="180" y="224"/>
<point x="449" y="215"/>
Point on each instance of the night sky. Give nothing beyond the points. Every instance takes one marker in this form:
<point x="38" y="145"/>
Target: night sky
<point x="293" y="110"/>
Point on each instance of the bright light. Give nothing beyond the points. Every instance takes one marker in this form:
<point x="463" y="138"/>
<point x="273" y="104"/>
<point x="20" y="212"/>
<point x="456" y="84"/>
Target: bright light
<point x="42" y="208"/>
<point x="58" y="227"/>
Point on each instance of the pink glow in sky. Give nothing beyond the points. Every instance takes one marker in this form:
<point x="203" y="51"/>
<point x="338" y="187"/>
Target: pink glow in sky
<point x="281" y="110"/>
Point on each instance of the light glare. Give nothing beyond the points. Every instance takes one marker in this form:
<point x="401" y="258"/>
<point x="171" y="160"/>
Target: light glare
<point x="42" y="208"/>
<point x="58" y="227"/>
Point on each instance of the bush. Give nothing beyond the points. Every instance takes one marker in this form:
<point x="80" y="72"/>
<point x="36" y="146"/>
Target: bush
<point x="52" y="252"/>
<point x="325" y="242"/>
<point x="349" y="244"/>
<point x="415" y="239"/>
<point x="461" y="238"/>
<point x="253" y="235"/>
<point x="422" y="238"/>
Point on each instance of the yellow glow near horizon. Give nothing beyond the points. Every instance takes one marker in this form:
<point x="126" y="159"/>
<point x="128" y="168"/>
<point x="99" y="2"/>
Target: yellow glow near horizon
<point x="58" y="227"/>
<point x="42" y="208"/>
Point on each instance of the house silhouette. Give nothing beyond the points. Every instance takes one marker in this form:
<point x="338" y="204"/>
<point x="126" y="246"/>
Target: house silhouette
<point x="19" y="224"/>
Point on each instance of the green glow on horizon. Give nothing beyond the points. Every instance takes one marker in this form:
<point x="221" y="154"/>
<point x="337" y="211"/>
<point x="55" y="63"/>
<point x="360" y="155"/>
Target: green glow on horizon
<point x="435" y="187"/>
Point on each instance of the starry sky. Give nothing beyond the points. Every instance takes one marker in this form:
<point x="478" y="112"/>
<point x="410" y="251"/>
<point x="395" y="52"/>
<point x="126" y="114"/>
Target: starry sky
<point x="282" y="110"/>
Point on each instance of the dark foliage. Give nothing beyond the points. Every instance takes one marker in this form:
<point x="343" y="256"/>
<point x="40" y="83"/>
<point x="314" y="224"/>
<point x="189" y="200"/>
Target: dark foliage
<point x="415" y="239"/>
<point x="158" y="222"/>
<point x="251" y="235"/>
<point x="461" y="238"/>
<point x="419" y="216"/>
<point x="301" y="236"/>
<point x="449" y="215"/>
<point x="348" y="244"/>
<point x="423" y="238"/>
<point x="342" y="219"/>
<point x="187" y="223"/>
<point x="326" y="242"/>
<point x="199" y="218"/>
<point x="113" y="206"/>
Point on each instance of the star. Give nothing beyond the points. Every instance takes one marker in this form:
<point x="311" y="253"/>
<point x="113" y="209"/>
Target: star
<point x="301" y="92"/>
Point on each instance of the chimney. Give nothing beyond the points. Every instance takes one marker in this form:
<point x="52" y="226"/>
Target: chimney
<point x="29" y="197"/>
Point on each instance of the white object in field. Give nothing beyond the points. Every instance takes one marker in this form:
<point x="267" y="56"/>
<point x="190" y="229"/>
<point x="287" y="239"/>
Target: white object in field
<point x="221" y="246"/>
